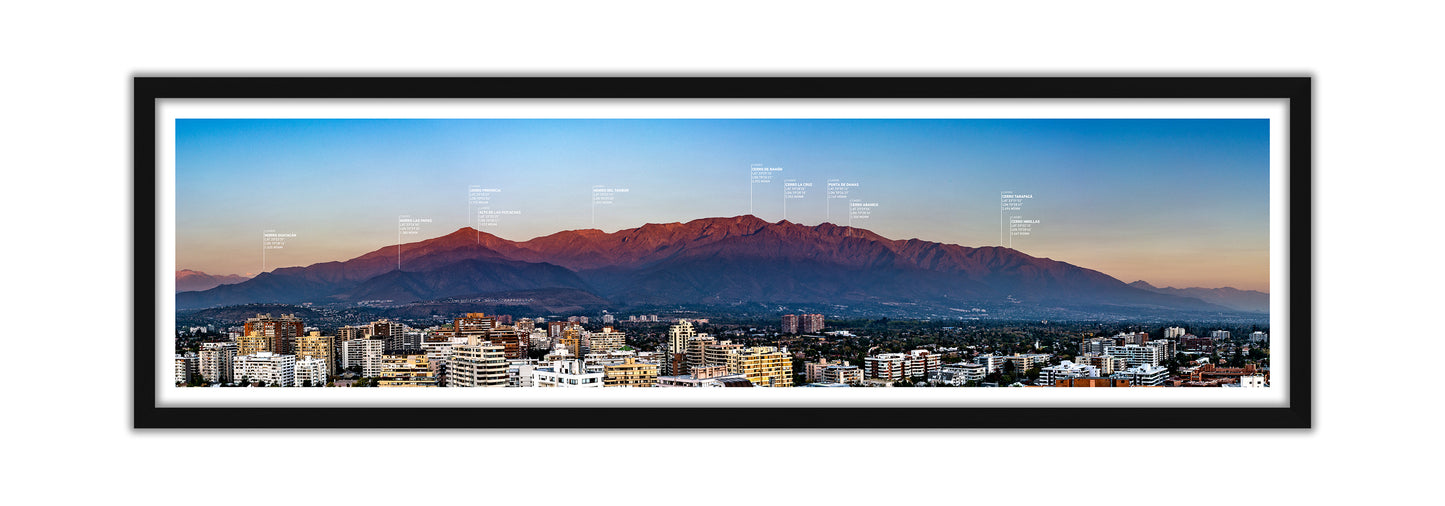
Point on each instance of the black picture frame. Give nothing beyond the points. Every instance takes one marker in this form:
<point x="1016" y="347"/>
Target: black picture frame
<point x="1295" y="89"/>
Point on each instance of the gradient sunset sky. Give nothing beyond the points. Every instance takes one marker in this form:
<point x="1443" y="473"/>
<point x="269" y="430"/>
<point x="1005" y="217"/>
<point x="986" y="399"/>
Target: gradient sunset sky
<point x="1176" y="202"/>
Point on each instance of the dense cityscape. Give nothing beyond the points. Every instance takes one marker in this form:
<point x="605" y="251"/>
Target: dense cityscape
<point x="795" y="350"/>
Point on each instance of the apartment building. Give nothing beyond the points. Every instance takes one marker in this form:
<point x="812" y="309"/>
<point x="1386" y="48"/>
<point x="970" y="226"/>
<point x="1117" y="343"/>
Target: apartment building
<point x="477" y="364"/>
<point x="216" y="362"/>
<point x="1144" y="375"/>
<point x="1135" y="355"/>
<point x="958" y="374"/>
<point x="265" y="366"/>
<point x="317" y="346"/>
<point x="188" y="365"/>
<point x="280" y="332"/>
<point x="311" y="371"/>
<point x="566" y="374"/>
<point x="363" y="353"/>
<point x="406" y="371"/>
<point x="630" y="373"/>
<point x="764" y="366"/>
<point x="1066" y="370"/>
<point x="609" y="339"/>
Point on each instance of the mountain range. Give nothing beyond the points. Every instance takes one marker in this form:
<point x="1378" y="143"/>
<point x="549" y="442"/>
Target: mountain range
<point x="188" y="280"/>
<point x="1242" y="300"/>
<point x="740" y="259"/>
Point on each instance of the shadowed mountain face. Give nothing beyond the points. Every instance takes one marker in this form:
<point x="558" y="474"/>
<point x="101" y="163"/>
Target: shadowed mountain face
<point x="705" y="261"/>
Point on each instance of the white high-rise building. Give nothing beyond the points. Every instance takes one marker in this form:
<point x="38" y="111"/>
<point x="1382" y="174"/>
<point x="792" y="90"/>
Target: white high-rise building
<point x="266" y="366"/>
<point x="519" y="372"/>
<point x="958" y="374"/>
<point x="887" y="367"/>
<point x="566" y="374"/>
<point x="1257" y="336"/>
<point x="1219" y="334"/>
<point x="1144" y="375"/>
<point x="363" y="353"/>
<point x="1066" y="370"/>
<point x="924" y="362"/>
<point x="898" y="366"/>
<point x="311" y="369"/>
<point x="1134" y="354"/>
<point x="1174" y="332"/>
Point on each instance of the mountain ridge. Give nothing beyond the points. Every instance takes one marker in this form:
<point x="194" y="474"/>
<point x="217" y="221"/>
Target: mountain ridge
<point x="1242" y="300"/>
<point x="703" y="261"/>
<point x="188" y="280"/>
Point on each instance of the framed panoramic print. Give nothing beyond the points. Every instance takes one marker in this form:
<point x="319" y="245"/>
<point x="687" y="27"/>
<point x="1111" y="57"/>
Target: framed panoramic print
<point x="722" y="252"/>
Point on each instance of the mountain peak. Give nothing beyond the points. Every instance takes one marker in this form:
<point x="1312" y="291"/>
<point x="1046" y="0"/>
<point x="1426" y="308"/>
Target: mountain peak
<point x="465" y="232"/>
<point x="742" y="219"/>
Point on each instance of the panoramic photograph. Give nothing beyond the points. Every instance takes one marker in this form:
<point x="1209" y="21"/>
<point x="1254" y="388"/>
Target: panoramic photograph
<point x="700" y="253"/>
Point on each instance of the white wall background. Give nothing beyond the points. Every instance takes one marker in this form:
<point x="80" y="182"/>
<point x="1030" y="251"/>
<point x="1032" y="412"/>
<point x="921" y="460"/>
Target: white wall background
<point x="67" y="152"/>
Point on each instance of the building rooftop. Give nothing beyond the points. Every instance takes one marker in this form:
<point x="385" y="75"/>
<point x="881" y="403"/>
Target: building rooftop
<point x="735" y="382"/>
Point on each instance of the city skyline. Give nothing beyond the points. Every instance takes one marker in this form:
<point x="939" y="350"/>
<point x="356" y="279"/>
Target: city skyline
<point x="1178" y="202"/>
<point x="478" y="350"/>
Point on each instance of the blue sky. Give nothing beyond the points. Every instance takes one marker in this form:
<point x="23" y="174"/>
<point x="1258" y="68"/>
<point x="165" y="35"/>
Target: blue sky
<point x="1174" y="201"/>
